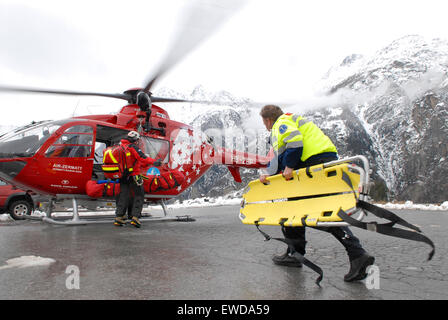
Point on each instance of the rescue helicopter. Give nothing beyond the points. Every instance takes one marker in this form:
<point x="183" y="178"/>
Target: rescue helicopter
<point x="57" y="159"/>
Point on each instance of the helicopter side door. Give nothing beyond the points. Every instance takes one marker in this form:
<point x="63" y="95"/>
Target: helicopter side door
<point x="105" y="136"/>
<point x="66" y="165"/>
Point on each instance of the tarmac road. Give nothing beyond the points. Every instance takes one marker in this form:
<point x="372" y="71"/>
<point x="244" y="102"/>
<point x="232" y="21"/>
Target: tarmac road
<point x="214" y="258"/>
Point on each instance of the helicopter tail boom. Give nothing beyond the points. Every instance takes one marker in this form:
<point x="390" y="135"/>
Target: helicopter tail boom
<point x="234" y="160"/>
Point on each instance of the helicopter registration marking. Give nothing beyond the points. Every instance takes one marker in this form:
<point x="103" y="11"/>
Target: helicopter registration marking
<point x="67" y="168"/>
<point x="63" y="186"/>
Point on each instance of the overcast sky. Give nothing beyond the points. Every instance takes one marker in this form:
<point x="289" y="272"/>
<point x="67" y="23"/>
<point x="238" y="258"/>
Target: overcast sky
<point x="266" y="50"/>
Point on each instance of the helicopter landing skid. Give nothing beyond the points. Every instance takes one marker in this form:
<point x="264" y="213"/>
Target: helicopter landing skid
<point x="76" y="220"/>
<point x="96" y="220"/>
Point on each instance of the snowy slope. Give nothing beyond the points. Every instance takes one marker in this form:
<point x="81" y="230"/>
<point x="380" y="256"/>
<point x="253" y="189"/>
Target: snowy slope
<point x="400" y="97"/>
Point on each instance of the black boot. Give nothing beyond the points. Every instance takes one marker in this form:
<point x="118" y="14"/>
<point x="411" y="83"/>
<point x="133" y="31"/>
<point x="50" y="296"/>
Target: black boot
<point x="358" y="268"/>
<point x="286" y="260"/>
<point x="294" y="237"/>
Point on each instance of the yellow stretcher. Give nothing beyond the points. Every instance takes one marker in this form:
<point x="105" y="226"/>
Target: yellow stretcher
<point x="313" y="197"/>
<point x="326" y="195"/>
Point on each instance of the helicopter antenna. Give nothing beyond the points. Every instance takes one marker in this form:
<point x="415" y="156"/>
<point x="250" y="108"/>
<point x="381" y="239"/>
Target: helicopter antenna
<point x="76" y="107"/>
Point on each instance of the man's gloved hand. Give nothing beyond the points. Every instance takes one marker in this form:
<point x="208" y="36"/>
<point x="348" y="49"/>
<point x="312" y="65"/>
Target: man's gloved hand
<point x="138" y="180"/>
<point x="288" y="173"/>
<point x="157" y="163"/>
<point x="263" y="179"/>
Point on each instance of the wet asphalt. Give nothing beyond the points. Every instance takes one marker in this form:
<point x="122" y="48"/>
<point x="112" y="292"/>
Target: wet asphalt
<point x="215" y="257"/>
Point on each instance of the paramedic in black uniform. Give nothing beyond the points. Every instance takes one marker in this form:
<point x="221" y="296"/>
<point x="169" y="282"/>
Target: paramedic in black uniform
<point x="298" y="143"/>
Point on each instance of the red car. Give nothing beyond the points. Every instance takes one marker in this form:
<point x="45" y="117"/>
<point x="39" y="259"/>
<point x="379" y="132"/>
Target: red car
<point x="15" y="201"/>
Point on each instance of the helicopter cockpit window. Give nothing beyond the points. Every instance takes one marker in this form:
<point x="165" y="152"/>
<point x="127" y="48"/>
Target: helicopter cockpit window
<point x="83" y="139"/>
<point x="80" y="129"/>
<point x="77" y="141"/>
<point x="25" y="142"/>
<point x="156" y="148"/>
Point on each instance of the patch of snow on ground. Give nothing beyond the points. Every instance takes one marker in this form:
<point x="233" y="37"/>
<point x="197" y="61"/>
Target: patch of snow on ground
<point x="206" y="202"/>
<point x="409" y="205"/>
<point x="27" y="261"/>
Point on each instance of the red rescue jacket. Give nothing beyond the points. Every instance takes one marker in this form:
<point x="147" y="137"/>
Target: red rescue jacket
<point x="123" y="160"/>
<point x="135" y="158"/>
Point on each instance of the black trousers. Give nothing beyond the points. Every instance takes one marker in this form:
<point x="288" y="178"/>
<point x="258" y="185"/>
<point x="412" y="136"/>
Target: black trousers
<point x="130" y="193"/>
<point x="130" y="204"/>
<point x="343" y="234"/>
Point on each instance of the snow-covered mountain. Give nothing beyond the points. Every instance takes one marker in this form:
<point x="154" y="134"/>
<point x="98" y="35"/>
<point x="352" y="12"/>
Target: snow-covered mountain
<point x="397" y="99"/>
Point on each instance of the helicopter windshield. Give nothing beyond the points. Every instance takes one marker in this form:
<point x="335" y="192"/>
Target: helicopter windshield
<point x="156" y="148"/>
<point x="25" y="142"/>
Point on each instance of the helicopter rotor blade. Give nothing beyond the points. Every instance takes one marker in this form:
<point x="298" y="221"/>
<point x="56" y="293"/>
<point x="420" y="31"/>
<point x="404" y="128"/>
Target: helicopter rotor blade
<point x="248" y="103"/>
<point x="199" y="22"/>
<point x="160" y="99"/>
<point x="128" y="96"/>
<point x="64" y="92"/>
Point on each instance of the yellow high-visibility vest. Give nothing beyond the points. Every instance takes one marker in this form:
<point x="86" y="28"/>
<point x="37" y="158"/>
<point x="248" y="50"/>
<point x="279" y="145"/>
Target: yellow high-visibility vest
<point x="294" y="131"/>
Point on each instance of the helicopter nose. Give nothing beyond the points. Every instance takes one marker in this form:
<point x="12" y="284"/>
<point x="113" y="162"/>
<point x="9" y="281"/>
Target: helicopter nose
<point x="10" y="169"/>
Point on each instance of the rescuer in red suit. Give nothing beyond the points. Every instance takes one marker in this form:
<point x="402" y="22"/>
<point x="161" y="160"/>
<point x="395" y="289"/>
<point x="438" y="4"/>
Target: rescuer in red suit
<point x="131" y="182"/>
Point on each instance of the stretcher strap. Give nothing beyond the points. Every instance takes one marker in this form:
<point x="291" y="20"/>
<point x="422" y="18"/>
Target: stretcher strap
<point x="347" y="180"/>
<point x="386" y="214"/>
<point x="387" y="228"/>
<point x="295" y="254"/>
